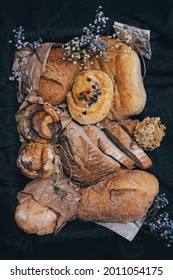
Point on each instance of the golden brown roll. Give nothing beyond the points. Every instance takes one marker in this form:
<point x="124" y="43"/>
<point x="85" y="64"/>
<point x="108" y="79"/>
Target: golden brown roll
<point x="57" y="77"/>
<point x="125" y="198"/>
<point x="124" y="69"/>
<point x="32" y="217"/>
<point x="39" y="123"/>
<point x="91" y="97"/>
<point x="36" y="160"/>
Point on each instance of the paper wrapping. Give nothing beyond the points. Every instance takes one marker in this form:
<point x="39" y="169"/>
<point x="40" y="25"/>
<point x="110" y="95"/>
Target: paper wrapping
<point x="139" y="39"/>
<point x="45" y="194"/>
<point x="29" y="63"/>
<point x="64" y="201"/>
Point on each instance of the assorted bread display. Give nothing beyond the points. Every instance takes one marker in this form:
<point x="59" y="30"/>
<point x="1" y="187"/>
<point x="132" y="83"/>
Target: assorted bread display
<point x="88" y="167"/>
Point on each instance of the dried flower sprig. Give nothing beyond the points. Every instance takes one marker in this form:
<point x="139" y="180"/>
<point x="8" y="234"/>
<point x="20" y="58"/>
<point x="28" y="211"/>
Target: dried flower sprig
<point x="149" y="133"/>
<point x="160" y="226"/>
<point x="36" y="44"/>
<point x="82" y="48"/>
<point x="20" y="74"/>
<point x="19" y="38"/>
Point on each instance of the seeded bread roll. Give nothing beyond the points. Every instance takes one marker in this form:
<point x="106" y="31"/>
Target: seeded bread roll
<point x="125" y="198"/>
<point x="91" y="97"/>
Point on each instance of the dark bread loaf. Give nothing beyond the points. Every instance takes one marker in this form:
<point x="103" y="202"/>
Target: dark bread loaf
<point x="125" y="198"/>
<point x="57" y="77"/>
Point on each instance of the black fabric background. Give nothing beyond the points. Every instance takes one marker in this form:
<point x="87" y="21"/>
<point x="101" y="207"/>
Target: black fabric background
<point x="57" y="21"/>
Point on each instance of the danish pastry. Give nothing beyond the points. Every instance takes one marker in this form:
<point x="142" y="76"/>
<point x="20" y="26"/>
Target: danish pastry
<point x="91" y="97"/>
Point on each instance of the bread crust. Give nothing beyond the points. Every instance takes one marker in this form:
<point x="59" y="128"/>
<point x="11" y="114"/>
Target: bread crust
<point x="124" y="69"/>
<point x="34" y="218"/>
<point x="57" y="77"/>
<point x="36" y="160"/>
<point x="125" y="198"/>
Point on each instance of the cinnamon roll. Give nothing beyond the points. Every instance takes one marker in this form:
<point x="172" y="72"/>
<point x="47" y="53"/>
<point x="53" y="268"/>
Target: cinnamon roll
<point x="36" y="160"/>
<point x="39" y="123"/>
<point x="91" y="97"/>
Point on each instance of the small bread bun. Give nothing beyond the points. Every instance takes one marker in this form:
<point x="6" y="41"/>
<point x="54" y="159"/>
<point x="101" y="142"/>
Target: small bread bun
<point x="91" y="97"/>
<point x="32" y="217"/>
<point x="125" y="198"/>
<point x="36" y="160"/>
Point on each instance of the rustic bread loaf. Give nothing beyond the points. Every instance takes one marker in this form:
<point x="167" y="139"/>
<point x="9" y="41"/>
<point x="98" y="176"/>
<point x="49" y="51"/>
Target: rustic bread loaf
<point x="82" y="160"/>
<point x="100" y="139"/>
<point x="124" y="69"/>
<point x="126" y="144"/>
<point x="125" y="198"/>
<point x="57" y="77"/>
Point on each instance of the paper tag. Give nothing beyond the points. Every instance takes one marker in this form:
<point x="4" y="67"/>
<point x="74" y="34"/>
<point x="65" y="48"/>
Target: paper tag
<point x="137" y="38"/>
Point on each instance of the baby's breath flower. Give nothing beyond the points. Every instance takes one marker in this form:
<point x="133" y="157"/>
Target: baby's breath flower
<point x="162" y="226"/>
<point x="82" y="48"/>
<point x="19" y="40"/>
<point x="36" y="44"/>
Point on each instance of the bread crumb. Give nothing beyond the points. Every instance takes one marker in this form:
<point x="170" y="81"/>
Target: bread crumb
<point x="149" y="133"/>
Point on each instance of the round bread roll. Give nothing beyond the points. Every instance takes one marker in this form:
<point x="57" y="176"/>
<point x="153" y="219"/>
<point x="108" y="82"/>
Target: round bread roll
<point x="36" y="160"/>
<point x="125" y="198"/>
<point x="39" y="123"/>
<point x="91" y="97"/>
<point x="32" y="217"/>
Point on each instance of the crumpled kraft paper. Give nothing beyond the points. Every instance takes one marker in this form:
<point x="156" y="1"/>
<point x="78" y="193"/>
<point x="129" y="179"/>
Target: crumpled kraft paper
<point x="29" y="63"/>
<point x="139" y="39"/>
<point x="59" y="196"/>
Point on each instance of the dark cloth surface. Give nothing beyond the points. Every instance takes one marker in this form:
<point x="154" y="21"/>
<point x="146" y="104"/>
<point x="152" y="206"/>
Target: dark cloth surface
<point x="59" y="21"/>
